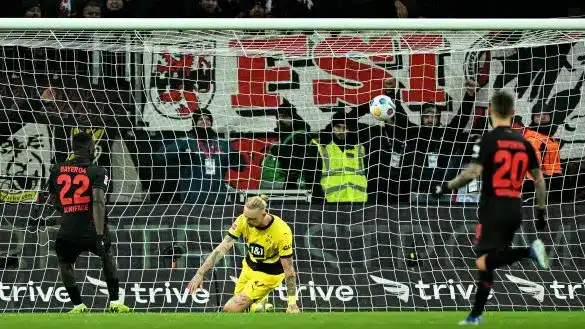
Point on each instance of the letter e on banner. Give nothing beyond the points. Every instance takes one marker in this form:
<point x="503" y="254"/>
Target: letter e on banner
<point x="254" y="75"/>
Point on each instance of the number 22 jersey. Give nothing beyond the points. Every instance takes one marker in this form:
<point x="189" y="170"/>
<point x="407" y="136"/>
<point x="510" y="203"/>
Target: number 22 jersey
<point x="265" y="246"/>
<point x="506" y="158"/>
<point x="72" y="184"/>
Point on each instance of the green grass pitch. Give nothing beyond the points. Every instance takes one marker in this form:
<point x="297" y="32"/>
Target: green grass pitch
<point x="389" y="320"/>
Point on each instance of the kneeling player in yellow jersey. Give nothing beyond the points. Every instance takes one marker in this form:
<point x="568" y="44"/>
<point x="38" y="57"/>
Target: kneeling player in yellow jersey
<point x="268" y="260"/>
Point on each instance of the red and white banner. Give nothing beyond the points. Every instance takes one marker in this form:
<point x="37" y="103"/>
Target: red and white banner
<point x="316" y="72"/>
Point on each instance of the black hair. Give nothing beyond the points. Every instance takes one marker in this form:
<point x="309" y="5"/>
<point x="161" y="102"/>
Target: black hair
<point x="202" y="112"/>
<point x="82" y="143"/>
<point x="502" y="104"/>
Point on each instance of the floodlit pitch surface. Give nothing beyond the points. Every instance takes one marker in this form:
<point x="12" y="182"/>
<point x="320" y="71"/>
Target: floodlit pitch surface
<point x="393" y="320"/>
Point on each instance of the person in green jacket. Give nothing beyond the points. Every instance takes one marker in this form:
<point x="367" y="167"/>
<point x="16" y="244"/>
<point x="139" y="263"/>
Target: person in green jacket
<point x="283" y="164"/>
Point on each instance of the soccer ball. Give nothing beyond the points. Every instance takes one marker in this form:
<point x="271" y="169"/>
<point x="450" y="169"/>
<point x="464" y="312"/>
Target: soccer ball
<point x="382" y="107"/>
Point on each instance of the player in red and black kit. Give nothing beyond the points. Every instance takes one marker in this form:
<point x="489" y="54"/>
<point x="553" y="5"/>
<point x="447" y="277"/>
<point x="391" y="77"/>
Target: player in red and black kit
<point x="503" y="158"/>
<point x="78" y="188"/>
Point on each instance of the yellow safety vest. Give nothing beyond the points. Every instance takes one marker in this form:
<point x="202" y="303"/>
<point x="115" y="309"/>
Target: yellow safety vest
<point x="343" y="176"/>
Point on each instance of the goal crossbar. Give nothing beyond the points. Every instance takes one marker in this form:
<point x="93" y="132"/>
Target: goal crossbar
<point x="575" y="24"/>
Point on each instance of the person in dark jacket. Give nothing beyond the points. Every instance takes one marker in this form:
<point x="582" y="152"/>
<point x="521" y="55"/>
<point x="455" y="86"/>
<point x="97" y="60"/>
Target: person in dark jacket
<point x="203" y="160"/>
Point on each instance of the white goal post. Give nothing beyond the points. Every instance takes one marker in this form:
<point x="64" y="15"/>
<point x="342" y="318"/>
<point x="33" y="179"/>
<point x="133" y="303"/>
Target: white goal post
<point x="139" y="85"/>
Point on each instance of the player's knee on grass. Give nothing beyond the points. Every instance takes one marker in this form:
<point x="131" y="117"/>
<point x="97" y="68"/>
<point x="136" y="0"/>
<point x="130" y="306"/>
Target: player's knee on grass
<point x="67" y="272"/>
<point x="480" y="263"/>
<point x="237" y="304"/>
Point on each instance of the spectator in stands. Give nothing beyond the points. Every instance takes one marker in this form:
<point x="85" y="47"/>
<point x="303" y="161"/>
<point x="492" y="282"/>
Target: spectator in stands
<point x="335" y="163"/>
<point x="565" y="180"/>
<point x="282" y="166"/>
<point x="576" y="8"/>
<point x="31" y="8"/>
<point x="258" y="10"/>
<point x="204" y="9"/>
<point x="232" y="8"/>
<point x="388" y="179"/>
<point x="92" y="9"/>
<point x="118" y="9"/>
<point x="61" y="8"/>
<point x="288" y="9"/>
<point x="435" y="151"/>
<point x="203" y="160"/>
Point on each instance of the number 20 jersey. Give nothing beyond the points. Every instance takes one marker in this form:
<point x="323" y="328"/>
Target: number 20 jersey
<point x="506" y="158"/>
<point x="72" y="184"/>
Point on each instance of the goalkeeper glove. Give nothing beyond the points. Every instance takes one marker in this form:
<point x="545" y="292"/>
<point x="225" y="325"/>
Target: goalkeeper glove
<point x="540" y="218"/>
<point x="441" y="189"/>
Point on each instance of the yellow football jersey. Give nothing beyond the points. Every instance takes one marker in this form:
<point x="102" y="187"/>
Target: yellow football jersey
<point x="265" y="246"/>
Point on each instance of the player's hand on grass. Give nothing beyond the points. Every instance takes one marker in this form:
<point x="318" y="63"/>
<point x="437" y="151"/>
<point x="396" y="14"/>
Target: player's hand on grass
<point x="292" y="308"/>
<point x="196" y="283"/>
<point x="540" y="219"/>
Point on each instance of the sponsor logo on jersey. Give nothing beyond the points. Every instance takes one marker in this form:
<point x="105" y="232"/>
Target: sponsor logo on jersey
<point x="256" y="250"/>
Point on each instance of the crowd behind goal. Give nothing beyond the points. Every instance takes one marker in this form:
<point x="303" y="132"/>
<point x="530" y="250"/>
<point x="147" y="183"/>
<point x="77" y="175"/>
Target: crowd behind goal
<point x="59" y="106"/>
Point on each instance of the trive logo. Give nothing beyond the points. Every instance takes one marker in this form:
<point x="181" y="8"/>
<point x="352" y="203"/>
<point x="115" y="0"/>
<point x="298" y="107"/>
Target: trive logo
<point x="32" y="292"/>
<point x="163" y="293"/>
<point x="564" y="290"/>
<point x="534" y="289"/>
<point x="316" y="292"/>
<point x="427" y="291"/>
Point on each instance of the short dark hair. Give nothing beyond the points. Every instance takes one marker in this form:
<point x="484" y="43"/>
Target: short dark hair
<point x="502" y="104"/>
<point x="82" y="141"/>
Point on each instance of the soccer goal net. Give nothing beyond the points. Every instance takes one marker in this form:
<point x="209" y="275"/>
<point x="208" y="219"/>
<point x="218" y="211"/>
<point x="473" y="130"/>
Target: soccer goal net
<point x="192" y="117"/>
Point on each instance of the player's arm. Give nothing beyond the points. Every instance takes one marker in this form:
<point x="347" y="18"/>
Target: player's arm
<point x="99" y="210"/>
<point x="216" y="255"/>
<point x="285" y="252"/>
<point x="539" y="185"/>
<point x="467" y="175"/>
<point x="99" y="187"/>
<point x="51" y="188"/>
<point x="290" y="279"/>
<point x="99" y="181"/>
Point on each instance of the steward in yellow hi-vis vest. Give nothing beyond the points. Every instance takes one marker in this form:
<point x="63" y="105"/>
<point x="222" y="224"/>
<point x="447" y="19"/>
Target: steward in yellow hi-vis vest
<point x="343" y="174"/>
<point x="343" y="177"/>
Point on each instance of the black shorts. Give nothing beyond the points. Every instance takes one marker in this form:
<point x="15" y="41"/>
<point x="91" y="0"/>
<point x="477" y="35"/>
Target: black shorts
<point x="68" y="249"/>
<point x="496" y="233"/>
